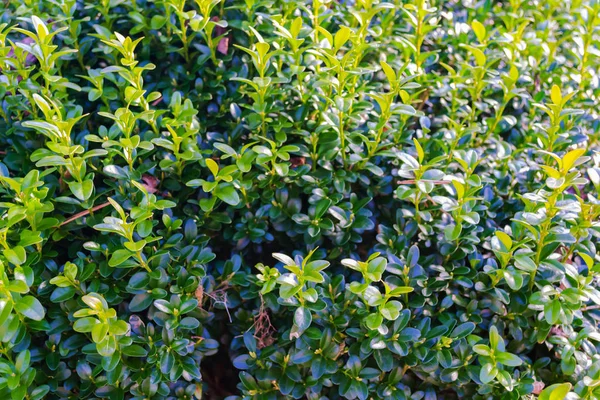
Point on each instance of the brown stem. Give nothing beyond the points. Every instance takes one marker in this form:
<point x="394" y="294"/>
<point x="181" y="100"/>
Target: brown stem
<point x="594" y="307"/>
<point x="84" y="213"/>
<point x="412" y="182"/>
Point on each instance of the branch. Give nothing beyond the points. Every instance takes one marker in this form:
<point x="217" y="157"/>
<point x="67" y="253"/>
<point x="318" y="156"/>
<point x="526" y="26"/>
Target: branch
<point x="412" y="182"/>
<point x="84" y="213"/>
<point x="594" y="307"/>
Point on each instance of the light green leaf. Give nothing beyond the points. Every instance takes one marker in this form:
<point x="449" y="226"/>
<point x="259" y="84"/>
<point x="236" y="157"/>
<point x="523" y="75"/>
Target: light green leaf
<point x="504" y="239"/>
<point x="508" y="359"/>
<point x="555" y="392"/>
<point x="82" y="190"/>
<point x="119" y="257"/>
<point x="302" y="320"/>
<point x="212" y="166"/>
<point x="556" y="95"/>
<point x="391" y="310"/>
<point x="488" y="373"/>
<point x="16" y="255"/>
<point x="552" y="311"/>
<point x="30" y="307"/>
<point x="373" y="321"/>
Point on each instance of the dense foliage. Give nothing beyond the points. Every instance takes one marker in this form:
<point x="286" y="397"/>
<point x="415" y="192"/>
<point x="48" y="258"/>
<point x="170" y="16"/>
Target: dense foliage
<point x="304" y="199"/>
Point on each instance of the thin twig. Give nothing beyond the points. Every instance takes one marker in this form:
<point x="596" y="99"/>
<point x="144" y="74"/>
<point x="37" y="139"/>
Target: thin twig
<point x="84" y="213"/>
<point x="594" y="307"/>
<point x="220" y="296"/>
<point x="412" y="182"/>
<point x="263" y="329"/>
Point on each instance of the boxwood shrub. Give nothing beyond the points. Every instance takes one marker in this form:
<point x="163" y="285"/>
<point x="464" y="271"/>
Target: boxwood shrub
<point x="289" y="199"/>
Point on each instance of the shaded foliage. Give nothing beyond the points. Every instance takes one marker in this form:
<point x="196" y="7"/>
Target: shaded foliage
<point x="329" y="199"/>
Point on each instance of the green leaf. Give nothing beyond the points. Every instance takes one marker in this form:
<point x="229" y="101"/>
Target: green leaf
<point x="488" y="373"/>
<point x="144" y="228"/>
<point x="18" y="287"/>
<point x="135" y="246"/>
<point x="16" y="255"/>
<point x="376" y="268"/>
<point x="85" y="324"/>
<point x="482" y="349"/>
<point x="463" y="330"/>
<point x="452" y="232"/>
<point x="95" y="301"/>
<point x="504" y="239"/>
<point x="119" y="327"/>
<point x="525" y="263"/>
<point x="420" y="152"/>
<point x="391" y="310"/>
<point x="29" y="238"/>
<point x="188" y="306"/>
<point x="99" y="332"/>
<point x="389" y="73"/>
<point x="212" y="166"/>
<point x="39" y="27"/>
<point x="107" y="347"/>
<point x="552" y="311"/>
<point x="480" y="57"/>
<point x="310" y="295"/>
<point x="316" y="266"/>
<point x="372" y="296"/>
<point x="412" y="259"/>
<point x="321" y="207"/>
<point x="42" y="104"/>
<point x="189" y="323"/>
<point x="70" y="271"/>
<point x="508" y="359"/>
<point x="373" y="321"/>
<point x="82" y="190"/>
<point x="30" y="307"/>
<point x="119" y="257"/>
<point x="557" y="391"/>
<point x="570" y="159"/>
<point x="39" y="392"/>
<point x="6" y="307"/>
<point x="505" y="379"/>
<point x="163" y="306"/>
<point x="286" y="260"/>
<point x="513" y="278"/>
<point x="495" y="338"/>
<point x="134" y="350"/>
<point x="313" y="276"/>
<point x="158" y="21"/>
<point x="286" y="291"/>
<point x="400" y="290"/>
<point x="22" y="361"/>
<point x="61" y="294"/>
<point x="302" y="320"/>
<point x="556" y="95"/>
<point x="140" y="302"/>
<point x="341" y="37"/>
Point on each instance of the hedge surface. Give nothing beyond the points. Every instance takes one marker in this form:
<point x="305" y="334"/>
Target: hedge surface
<point x="307" y="199"/>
